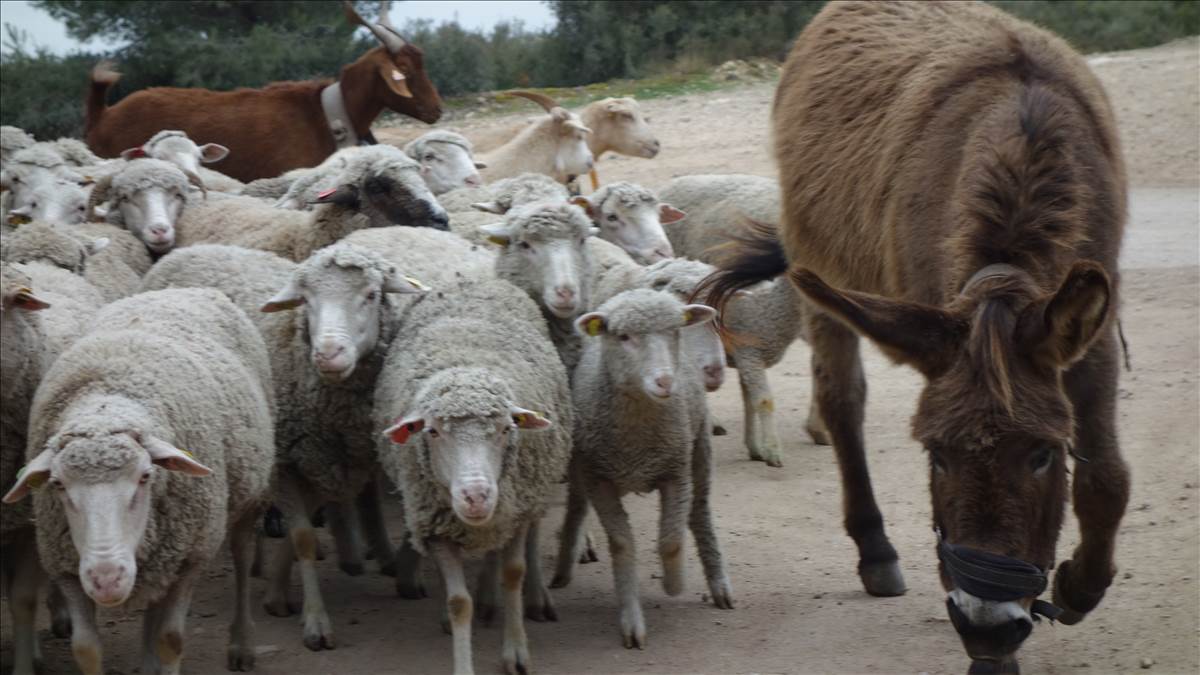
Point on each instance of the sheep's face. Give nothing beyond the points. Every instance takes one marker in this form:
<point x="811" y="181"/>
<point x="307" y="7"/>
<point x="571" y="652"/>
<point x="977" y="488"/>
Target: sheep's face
<point x="545" y="254"/>
<point x="702" y="344"/>
<point x="448" y="166"/>
<point x="639" y="333"/>
<point x="104" y="483"/>
<point x="466" y="454"/>
<point x="50" y="195"/>
<point x="150" y="213"/>
<point x="344" y="306"/>
<point x="397" y="195"/>
<point x="632" y="219"/>
<point x="626" y="130"/>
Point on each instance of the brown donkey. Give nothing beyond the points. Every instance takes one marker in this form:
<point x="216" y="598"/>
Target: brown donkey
<point x="955" y="174"/>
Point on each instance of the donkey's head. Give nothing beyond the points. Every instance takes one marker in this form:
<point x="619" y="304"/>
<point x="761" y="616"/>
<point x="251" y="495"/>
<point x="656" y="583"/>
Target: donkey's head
<point x="997" y="425"/>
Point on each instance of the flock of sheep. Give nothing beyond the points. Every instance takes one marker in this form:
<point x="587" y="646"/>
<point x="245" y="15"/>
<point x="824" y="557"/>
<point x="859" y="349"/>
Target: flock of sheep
<point x="182" y="350"/>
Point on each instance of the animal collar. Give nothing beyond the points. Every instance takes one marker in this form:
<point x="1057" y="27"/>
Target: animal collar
<point x="334" y="106"/>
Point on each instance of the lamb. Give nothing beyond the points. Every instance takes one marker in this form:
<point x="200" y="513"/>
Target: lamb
<point x="642" y="425"/>
<point x="175" y="147"/>
<point x="544" y="251"/>
<point x="375" y="190"/>
<point x="498" y="198"/>
<point x="147" y="197"/>
<point x="555" y="145"/>
<point x="325" y="357"/>
<point x="104" y="417"/>
<point x="632" y="217"/>
<point x="474" y="462"/>
<point x="446" y="161"/>
<point x="42" y="311"/>
<point x="109" y="258"/>
<point x="768" y="320"/>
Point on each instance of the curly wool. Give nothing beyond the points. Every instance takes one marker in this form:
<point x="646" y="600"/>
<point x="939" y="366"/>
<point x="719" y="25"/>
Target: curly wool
<point x="434" y="257"/>
<point x="75" y="152"/>
<point x="454" y="354"/>
<point x="627" y="195"/>
<point x="42" y="155"/>
<point x="207" y="391"/>
<point x="641" y="310"/>
<point x="43" y="242"/>
<point x="13" y="139"/>
<point x="138" y="175"/>
<point x="416" y="147"/>
<point x="355" y="166"/>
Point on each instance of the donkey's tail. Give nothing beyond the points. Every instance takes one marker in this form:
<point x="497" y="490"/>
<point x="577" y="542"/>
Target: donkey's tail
<point x="750" y="256"/>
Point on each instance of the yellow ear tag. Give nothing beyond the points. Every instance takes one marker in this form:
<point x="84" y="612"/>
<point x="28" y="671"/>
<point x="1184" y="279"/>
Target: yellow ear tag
<point x="687" y="316"/>
<point x="499" y="241"/>
<point x="416" y="284"/>
<point x="187" y="453"/>
<point x="519" y="418"/>
<point x="593" y="327"/>
<point x="18" y="219"/>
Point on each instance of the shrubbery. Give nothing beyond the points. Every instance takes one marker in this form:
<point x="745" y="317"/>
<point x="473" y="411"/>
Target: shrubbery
<point x="222" y="45"/>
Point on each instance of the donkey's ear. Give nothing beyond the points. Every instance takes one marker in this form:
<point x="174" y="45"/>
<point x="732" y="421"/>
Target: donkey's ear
<point x="1059" y="330"/>
<point x="908" y="332"/>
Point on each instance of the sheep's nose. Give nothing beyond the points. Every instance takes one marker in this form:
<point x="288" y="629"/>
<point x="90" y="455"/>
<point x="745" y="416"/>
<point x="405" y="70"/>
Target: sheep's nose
<point x="158" y="230"/>
<point x="714" y="375"/>
<point x="564" y="293"/>
<point x="664" y="382"/>
<point x="106" y="578"/>
<point x="474" y="180"/>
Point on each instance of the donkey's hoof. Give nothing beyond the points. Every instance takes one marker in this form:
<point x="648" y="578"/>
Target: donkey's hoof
<point x="1074" y="604"/>
<point x="1005" y="667"/>
<point x="883" y="578"/>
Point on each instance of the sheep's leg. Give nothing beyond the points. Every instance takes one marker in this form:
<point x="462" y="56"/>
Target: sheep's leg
<point x="370" y="507"/>
<point x="240" y="653"/>
<point x="22" y="590"/>
<point x="485" y="588"/>
<point x="318" y="630"/>
<point x="259" y="554"/>
<point x="539" y="606"/>
<point x="408" y="571"/>
<point x="762" y="439"/>
<point x="458" y="602"/>
<point x="174" y="607"/>
<point x="85" y="642"/>
<point x="276" y="601"/>
<point x="674" y="497"/>
<point x="607" y="502"/>
<point x="151" y="620"/>
<point x="515" y="652"/>
<point x="60" y="618"/>
<point x="700" y="522"/>
<point x="568" y="543"/>
<point x="346" y="529"/>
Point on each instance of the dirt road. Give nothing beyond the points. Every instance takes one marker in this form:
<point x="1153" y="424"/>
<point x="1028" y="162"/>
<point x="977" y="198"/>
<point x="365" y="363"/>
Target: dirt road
<point x="799" y="605"/>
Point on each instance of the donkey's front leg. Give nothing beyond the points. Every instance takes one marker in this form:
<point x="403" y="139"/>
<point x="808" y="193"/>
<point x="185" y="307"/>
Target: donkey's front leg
<point x="1101" y="487"/>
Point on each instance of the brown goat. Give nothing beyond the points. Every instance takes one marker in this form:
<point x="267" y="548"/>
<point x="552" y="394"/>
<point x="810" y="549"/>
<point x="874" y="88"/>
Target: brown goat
<point x="957" y="171"/>
<point x="268" y="131"/>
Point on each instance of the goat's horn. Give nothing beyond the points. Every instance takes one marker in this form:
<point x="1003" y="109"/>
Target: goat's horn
<point x="539" y="98"/>
<point x="382" y="31"/>
<point x="194" y="179"/>
<point x="98" y="196"/>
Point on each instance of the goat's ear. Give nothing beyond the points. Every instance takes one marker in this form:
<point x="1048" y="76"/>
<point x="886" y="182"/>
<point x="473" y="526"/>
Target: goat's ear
<point x="288" y="297"/>
<point x="394" y="80"/>
<point x="669" y="214"/>
<point x="30" y="477"/>
<point x="918" y="335"/>
<point x="489" y="207"/>
<point x="585" y="204"/>
<point x="213" y="152"/>
<point x="345" y="195"/>
<point x="1059" y="329"/>
<point x="559" y="114"/>
<point x="134" y="153"/>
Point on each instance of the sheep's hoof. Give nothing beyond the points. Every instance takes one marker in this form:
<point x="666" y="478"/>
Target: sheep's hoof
<point x="882" y="579"/>
<point x="719" y="430"/>
<point x="775" y="462"/>
<point x="60" y="625"/>
<point x="588" y="554"/>
<point x="389" y="569"/>
<point x="279" y="608"/>
<point x="541" y="607"/>
<point x="516" y="659"/>
<point x="353" y="568"/>
<point x="755" y="455"/>
<point x="633" y="629"/>
<point x="721" y="591"/>
<point x="240" y="660"/>
<point x="318" y="634"/>
<point x="560" y="580"/>
<point x="1005" y="667"/>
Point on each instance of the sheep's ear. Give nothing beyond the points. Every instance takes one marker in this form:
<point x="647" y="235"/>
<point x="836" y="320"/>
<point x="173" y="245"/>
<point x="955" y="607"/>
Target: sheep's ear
<point x="694" y="315"/>
<point x="395" y="80"/>
<point x="134" y="153"/>
<point x="480" y="165"/>
<point x="398" y="283"/>
<point x="669" y="214"/>
<point x="404" y="428"/>
<point x="213" y="152"/>
<point x="497" y="233"/>
<point x="592" y="323"/>
<point x="97" y="245"/>
<point x="489" y="207"/>
<point x="5" y="181"/>
<point x="30" y="477"/>
<point x="585" y="204"/>
<point x="289" y="297"/>
<point x="26" y="300"/>
<point x="345" y="195"/>
<point x="171" y="458"/>
<point x="528" y="419"/>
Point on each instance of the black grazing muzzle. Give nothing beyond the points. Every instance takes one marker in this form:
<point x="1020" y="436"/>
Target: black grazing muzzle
<point x="989" y="576"/>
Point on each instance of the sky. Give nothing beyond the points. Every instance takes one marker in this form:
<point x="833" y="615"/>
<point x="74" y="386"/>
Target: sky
<point x="471" y="14"/>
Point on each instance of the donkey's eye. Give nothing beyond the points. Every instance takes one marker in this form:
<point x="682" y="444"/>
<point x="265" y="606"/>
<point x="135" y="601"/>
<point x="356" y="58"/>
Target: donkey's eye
<point x="939" y="464"/>
<point x="1041" y="459"/>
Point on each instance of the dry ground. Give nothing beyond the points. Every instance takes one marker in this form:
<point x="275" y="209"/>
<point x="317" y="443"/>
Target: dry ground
<point x="799" y="604"/>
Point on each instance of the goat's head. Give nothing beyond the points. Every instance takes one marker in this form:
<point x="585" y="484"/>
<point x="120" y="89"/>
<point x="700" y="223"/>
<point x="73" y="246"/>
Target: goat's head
<point x="398" y="67"/>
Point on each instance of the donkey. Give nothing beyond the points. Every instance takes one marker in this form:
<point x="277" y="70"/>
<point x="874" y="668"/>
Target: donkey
<point x="953" y="190"/>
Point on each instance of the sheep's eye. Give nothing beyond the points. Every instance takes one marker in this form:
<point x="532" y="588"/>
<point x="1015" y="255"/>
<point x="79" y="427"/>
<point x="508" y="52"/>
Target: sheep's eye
<point x="16" y="179"/>
<point x="1041" y="459"/>
<point x="430" y="158"/>
<point x="371" y="296"/>
<point x="56" y="484"/>
<point x="144" y="479"/>
<point x="81" y="207"/>
<point x="33" y="205"/>
<point x="612" y="218"/>
<point x="433" y="433"/>
<point x="525" y="246"/>
<point x="623" y="337"/>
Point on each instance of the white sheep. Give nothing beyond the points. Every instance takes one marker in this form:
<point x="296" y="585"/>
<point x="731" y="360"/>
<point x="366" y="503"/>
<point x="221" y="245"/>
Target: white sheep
<point x="104" y="418"/>
<point x="381" y="172"/>
<point x="472" y="207"/>
<point x="325" y="357"/>
<point x="642" y="426"/>
<point x="555" y="145"/>
<point x="175" y="147"/>
<point x="13" y="139"/>
<point x="40" y="185"/>
<point x="764" y="322"/>
<point x="476" y="410"/>
<point x="632" y="217"/>
<point x="146" y="197"/>
<point x="446" y="160"/>
<point x="42" y="311"/>
<point x="109" y="258"/>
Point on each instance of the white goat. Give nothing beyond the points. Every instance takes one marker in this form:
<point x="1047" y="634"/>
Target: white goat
<point x="555" y="145"/>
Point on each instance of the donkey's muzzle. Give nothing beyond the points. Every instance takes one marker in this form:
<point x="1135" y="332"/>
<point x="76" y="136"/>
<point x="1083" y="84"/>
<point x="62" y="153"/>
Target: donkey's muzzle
<point x="989" y="642"/>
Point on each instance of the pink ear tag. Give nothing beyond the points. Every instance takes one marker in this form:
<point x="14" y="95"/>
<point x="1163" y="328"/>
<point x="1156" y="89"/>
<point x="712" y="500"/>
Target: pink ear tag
<point x="137" y="152"/>
<point x="327" y="193"/>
